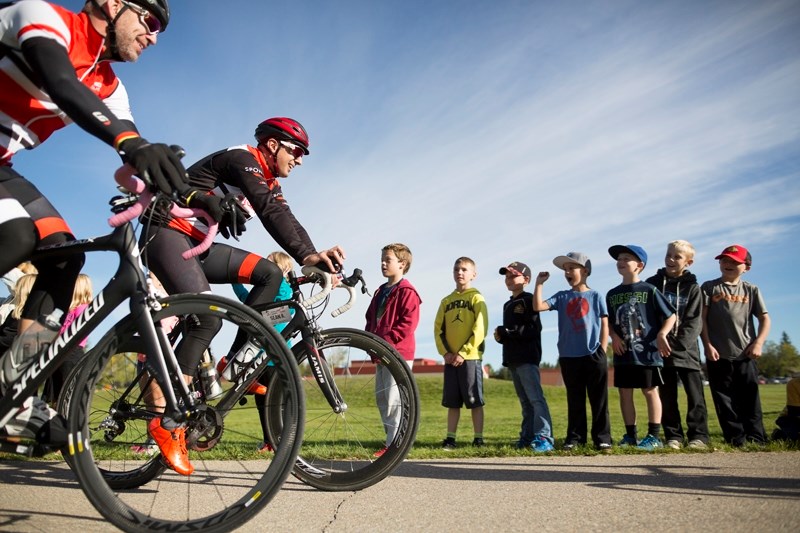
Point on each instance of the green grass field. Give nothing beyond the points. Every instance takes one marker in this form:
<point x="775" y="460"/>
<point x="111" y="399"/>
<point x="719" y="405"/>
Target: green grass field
<point x="503" y="416"/>
<point x="501" y="428"/>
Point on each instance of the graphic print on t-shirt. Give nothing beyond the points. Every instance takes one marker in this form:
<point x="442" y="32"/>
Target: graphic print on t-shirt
<point x="632" y="323"/>
<point x="577" y="308"/>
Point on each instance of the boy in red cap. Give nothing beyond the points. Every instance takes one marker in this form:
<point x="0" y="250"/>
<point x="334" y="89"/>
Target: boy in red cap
<point x="732" y="344"/>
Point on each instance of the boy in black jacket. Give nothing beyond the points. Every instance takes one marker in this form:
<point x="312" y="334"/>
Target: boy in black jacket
<point x="521" y="337"/>
<point x="680" y="287"/>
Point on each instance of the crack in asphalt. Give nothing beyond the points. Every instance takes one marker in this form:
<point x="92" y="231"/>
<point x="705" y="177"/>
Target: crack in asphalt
<point x="350" y="496"/>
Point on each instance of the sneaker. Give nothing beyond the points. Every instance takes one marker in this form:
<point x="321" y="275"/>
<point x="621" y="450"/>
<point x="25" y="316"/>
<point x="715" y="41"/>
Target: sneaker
<point x="149" y="447"/>
<point x="35" y="420"/>
<point x="697" y="444"/>
<point x="627" y="440"/>
<point x="650" y="443"/>
<point x="172" y="444"/>
<point x="604" y="447"/>
<point x="541" y="445"/>
<point x="675" y="444"/>
<point x="569" y="446"/>
<point x="265" y="447"/>
<point x="477" y="442"/>
<point x="380" y="452"/>
<point x="449" y="444"/>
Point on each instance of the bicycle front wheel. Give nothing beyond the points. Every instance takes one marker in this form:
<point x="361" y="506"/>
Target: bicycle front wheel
<point x="122" y="473"/>
<point x="367" y="441"/>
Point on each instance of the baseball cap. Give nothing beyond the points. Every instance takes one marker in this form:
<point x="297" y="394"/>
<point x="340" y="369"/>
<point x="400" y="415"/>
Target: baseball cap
<point x="516" y="266"/>
<point x="574" y="257"/>
<point x="737" y="253"/>
<point x="637" y="251"/>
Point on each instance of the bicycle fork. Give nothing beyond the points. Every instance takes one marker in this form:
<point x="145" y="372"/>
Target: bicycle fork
<point x="323" y="374"/>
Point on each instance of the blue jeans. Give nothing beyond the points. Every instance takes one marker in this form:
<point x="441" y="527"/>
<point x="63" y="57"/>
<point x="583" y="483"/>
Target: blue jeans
<point x="535" y="413"/>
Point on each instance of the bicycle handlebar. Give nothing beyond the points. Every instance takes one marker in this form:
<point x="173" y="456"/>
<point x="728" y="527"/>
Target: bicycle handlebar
<point x="125" y="178"/>
<point x="326" y="281"/>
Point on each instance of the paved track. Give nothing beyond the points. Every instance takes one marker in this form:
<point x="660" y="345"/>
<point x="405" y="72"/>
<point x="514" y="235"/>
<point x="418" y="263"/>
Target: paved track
<point x="663" y="492"/>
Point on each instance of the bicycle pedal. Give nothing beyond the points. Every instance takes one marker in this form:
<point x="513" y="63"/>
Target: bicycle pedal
<point x="15" y="447"/>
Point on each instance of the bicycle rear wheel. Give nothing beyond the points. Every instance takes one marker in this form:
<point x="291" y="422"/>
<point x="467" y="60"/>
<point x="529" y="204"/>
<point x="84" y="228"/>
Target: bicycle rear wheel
<point x="358" y="447"/>
<point x="108" y="415"/>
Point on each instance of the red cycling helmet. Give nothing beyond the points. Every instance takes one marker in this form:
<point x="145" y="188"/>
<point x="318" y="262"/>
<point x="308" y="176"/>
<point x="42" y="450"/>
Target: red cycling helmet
<point x="283" y="128"/>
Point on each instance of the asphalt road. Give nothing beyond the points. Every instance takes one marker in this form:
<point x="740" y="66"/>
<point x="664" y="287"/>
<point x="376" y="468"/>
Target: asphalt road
<point x="663" y="492"/>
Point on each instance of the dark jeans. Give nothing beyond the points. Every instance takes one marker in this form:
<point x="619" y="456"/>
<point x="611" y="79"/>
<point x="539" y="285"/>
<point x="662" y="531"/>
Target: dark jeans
<point x="734" y="388"/>
<point x="696" y="414"/>
<point x="587" y="375"/>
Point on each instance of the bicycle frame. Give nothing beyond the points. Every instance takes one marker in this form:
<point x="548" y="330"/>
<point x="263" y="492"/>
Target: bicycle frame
<point x="128" y="283"/>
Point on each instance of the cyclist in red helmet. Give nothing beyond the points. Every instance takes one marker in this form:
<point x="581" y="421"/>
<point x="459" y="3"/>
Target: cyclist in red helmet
<point x="55" y="68"/>
<point x="246" y="179"/>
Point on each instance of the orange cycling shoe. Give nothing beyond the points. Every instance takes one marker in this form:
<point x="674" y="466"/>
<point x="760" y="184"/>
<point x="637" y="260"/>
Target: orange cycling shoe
<point x="172" y="444"/>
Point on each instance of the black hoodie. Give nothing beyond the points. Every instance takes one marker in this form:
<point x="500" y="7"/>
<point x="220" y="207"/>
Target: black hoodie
<point x="684" y="294"/>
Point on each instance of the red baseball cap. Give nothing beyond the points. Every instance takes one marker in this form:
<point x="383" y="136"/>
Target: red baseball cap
<point x="737" y="253"/>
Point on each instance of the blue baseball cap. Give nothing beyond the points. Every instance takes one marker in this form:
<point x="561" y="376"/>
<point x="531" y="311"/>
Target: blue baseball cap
<point x="632" y="249"/>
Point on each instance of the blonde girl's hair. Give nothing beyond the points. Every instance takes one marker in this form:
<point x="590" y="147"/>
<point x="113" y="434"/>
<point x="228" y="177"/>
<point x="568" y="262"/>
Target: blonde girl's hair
<point x="82" y="294"/>
<point x="22" y="290"/>
<point x="401" y="252"/>
<point x="27" y="268"/>
<point x="283" y="260"/>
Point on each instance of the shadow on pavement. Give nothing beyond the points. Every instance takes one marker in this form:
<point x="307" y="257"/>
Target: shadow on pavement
<point x="677" y="478"/>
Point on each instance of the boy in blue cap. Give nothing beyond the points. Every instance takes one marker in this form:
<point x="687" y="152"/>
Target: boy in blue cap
<point x="639" y="318"/>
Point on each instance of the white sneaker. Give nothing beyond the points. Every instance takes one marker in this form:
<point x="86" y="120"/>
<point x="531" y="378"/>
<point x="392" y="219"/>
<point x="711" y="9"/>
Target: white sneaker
<point x="697" y="444"/>
<point x="674" y="444"/>
<point x="30" y="422"/>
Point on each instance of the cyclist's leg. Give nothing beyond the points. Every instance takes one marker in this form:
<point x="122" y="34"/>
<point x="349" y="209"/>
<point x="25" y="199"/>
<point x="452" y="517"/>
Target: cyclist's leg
<point x="23" y="215"/>
<point x="17" y="231"/>
<point x="162" y="248"/>
<point x="56" y="280"/>
<point x="226" y="264"/>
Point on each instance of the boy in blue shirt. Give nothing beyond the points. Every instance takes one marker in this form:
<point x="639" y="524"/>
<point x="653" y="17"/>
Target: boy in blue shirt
<point x="582" y="342"/>
<point x="640" y="318"/>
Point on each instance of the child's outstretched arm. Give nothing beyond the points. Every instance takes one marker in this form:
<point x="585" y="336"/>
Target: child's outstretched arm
<point x="538" y="303"/>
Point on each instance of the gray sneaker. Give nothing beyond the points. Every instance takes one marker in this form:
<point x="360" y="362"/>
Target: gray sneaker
<point x="697" y="444"/>
<point x="675" y="444"/>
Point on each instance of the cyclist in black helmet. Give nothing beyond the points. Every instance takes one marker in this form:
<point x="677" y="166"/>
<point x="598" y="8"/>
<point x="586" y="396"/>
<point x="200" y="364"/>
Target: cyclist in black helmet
<point x="55" y="68"/>
<point x="246" y="179"/>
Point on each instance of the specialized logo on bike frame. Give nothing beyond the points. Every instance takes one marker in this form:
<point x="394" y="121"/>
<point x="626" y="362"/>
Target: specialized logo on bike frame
<point x="46" y="358"/>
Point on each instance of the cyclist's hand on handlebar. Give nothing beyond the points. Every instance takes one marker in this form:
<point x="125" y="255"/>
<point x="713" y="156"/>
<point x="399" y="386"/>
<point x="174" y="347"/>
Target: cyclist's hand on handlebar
<point x="156" y="164"/>
<point x="209" y="203"/>
<point x="331" y="259"/>
<point x="234" y="217"/>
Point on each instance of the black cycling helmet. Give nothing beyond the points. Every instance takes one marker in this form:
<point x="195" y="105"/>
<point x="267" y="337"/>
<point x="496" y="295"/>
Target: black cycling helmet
<point x="159" y="9"/>
<point x="283" y="128"/>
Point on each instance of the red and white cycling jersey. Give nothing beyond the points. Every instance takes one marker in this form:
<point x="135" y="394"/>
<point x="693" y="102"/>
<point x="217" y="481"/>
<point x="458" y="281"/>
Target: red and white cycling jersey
<point x="28" y="116"/>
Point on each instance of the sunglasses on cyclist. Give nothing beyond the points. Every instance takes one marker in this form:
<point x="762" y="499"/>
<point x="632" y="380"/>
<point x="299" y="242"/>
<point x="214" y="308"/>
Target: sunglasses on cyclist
<point x="293" y="149"/>
<point x="147" y="19"/>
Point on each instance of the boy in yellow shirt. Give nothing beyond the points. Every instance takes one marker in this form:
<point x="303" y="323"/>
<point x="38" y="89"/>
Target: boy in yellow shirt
<point x="460" y="329"/>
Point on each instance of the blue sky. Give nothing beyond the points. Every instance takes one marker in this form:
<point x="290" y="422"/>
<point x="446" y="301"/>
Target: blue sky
<point x="507" y="130"/>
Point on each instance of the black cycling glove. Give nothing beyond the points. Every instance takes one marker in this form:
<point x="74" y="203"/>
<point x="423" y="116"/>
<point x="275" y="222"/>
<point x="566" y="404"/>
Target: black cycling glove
<point x="157" y="164"/>
<point x="227" y="212"/>
<point x="234" y="219"/>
